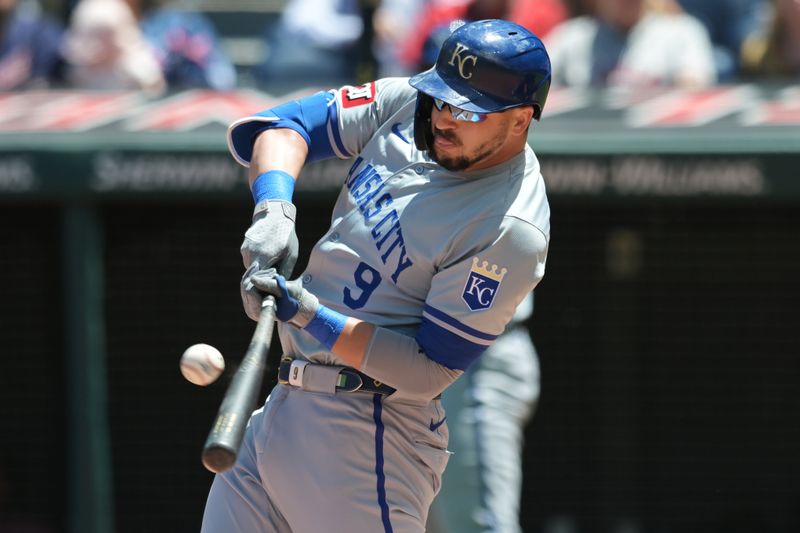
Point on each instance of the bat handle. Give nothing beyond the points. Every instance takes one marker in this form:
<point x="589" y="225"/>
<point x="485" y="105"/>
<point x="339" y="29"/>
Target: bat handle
<point x="225" y="438"/>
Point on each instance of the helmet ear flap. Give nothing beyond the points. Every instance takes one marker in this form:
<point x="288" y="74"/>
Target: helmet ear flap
<point x="423" y="136"/>
<point x="540" y="98"/>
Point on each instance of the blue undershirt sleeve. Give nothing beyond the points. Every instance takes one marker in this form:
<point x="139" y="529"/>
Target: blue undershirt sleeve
<point x="308" y="116"/>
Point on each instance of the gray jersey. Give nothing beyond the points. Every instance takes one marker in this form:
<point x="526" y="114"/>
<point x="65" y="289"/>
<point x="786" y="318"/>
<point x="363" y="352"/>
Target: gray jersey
<point x="392" y="255"/>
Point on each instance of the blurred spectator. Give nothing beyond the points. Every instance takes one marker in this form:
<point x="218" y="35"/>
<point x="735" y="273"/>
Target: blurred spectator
<point x="29" y="47"/>
<point x="576" y="8"/>
<point x="539" y="16"/>
<point x="392" y="23"/>
<point x="313" y="43"/>
<point x="729" y="23"/>
<point x="105" y="49"/>
<point x="632" y="43"/>
<point x="774" y="52"/>
<point x="187" y="46"/>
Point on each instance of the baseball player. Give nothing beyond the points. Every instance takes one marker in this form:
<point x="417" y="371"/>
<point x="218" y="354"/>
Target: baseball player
<point x="440" y="231"/>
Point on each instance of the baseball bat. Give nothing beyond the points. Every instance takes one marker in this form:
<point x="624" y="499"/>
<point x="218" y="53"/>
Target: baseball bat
<point x="225" y="438"/>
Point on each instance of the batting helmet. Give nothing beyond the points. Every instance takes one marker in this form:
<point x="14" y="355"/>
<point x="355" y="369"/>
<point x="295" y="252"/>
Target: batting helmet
<point x="484" y="66"/>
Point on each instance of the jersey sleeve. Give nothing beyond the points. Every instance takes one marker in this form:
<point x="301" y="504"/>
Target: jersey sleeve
<point x="471" y="301"/>
<point x="336" y="123"/>
<point x="362" y="110"/>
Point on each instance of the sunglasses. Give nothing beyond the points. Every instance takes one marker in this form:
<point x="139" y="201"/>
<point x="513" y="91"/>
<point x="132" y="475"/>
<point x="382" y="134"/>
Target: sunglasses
<point x="460" y="114"/>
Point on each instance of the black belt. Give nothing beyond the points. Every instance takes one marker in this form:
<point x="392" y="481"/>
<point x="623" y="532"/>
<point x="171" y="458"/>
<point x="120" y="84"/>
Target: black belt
<point x="349" y="380"/>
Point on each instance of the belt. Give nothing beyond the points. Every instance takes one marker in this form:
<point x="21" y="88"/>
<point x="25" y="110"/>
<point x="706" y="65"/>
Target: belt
<point x="292" y="371"/>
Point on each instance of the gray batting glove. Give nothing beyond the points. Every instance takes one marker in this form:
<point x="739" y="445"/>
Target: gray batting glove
<point x="270" y="241"/>
<point x="294" y="304"/>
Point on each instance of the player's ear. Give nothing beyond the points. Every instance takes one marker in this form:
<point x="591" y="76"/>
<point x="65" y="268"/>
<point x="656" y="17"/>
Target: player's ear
<point x="521" y="119"/>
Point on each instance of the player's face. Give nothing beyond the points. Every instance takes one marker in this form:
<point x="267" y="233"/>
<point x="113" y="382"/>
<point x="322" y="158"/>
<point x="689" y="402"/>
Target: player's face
<point x="466" y="145"/>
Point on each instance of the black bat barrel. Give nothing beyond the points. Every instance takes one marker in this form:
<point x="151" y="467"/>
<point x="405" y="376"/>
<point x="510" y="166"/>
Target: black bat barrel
<point x="225" y="438"/>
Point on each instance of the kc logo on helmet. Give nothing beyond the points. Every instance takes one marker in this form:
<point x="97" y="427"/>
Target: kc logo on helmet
<point x="462" y="61"/>
<point x="482" y="285"/>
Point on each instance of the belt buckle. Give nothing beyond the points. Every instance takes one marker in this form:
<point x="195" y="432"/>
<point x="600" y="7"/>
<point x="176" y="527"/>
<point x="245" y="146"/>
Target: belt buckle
<point x="343" y="381"/>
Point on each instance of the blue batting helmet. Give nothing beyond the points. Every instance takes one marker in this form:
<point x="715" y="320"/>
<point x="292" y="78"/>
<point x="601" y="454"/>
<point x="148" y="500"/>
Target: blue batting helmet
<point x="488" y="66"/>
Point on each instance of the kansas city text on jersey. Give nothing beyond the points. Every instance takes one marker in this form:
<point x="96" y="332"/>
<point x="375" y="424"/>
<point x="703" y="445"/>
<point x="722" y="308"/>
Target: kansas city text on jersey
<point x="365" y="187"/>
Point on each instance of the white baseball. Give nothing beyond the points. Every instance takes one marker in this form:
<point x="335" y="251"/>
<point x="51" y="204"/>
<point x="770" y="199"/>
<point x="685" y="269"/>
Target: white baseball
<point x="202" y="364"/>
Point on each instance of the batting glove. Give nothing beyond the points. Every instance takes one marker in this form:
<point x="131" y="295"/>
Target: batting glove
<point x="294" y="304"/>
<point x="299" y="307"/>
<point x="271" y="239"/>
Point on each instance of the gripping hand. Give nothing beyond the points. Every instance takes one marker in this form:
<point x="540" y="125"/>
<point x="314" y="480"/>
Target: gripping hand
<point x="294" y="304"/>
<point x="298" y="307"/>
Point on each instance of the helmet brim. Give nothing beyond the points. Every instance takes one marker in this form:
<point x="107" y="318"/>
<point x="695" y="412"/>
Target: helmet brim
<point x="459" y="95"/>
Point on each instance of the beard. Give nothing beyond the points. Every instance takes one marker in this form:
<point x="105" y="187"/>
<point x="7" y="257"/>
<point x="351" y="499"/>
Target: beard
<point x="465" y="161"/>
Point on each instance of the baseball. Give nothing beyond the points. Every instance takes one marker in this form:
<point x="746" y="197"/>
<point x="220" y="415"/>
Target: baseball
<point x="202" y="364"/>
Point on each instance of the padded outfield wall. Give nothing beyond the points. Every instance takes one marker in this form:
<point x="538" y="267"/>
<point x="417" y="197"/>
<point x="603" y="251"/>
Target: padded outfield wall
<point x="666" y="323"/>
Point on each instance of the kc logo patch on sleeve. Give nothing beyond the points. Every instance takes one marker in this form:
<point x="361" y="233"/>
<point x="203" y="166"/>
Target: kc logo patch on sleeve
<point x="356" y="96"/>
<point x="482" y="285"/>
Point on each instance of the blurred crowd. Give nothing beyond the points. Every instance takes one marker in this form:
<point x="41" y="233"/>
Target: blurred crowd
<point x="158" y="46"/>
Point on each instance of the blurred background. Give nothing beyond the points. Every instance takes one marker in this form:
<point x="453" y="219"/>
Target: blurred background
<point x="666" y="325"/>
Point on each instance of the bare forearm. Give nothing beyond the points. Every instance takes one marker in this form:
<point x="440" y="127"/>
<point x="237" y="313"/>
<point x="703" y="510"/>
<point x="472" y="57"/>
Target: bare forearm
<point x="352" y="344"/>
<point x="278" y="149"/>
